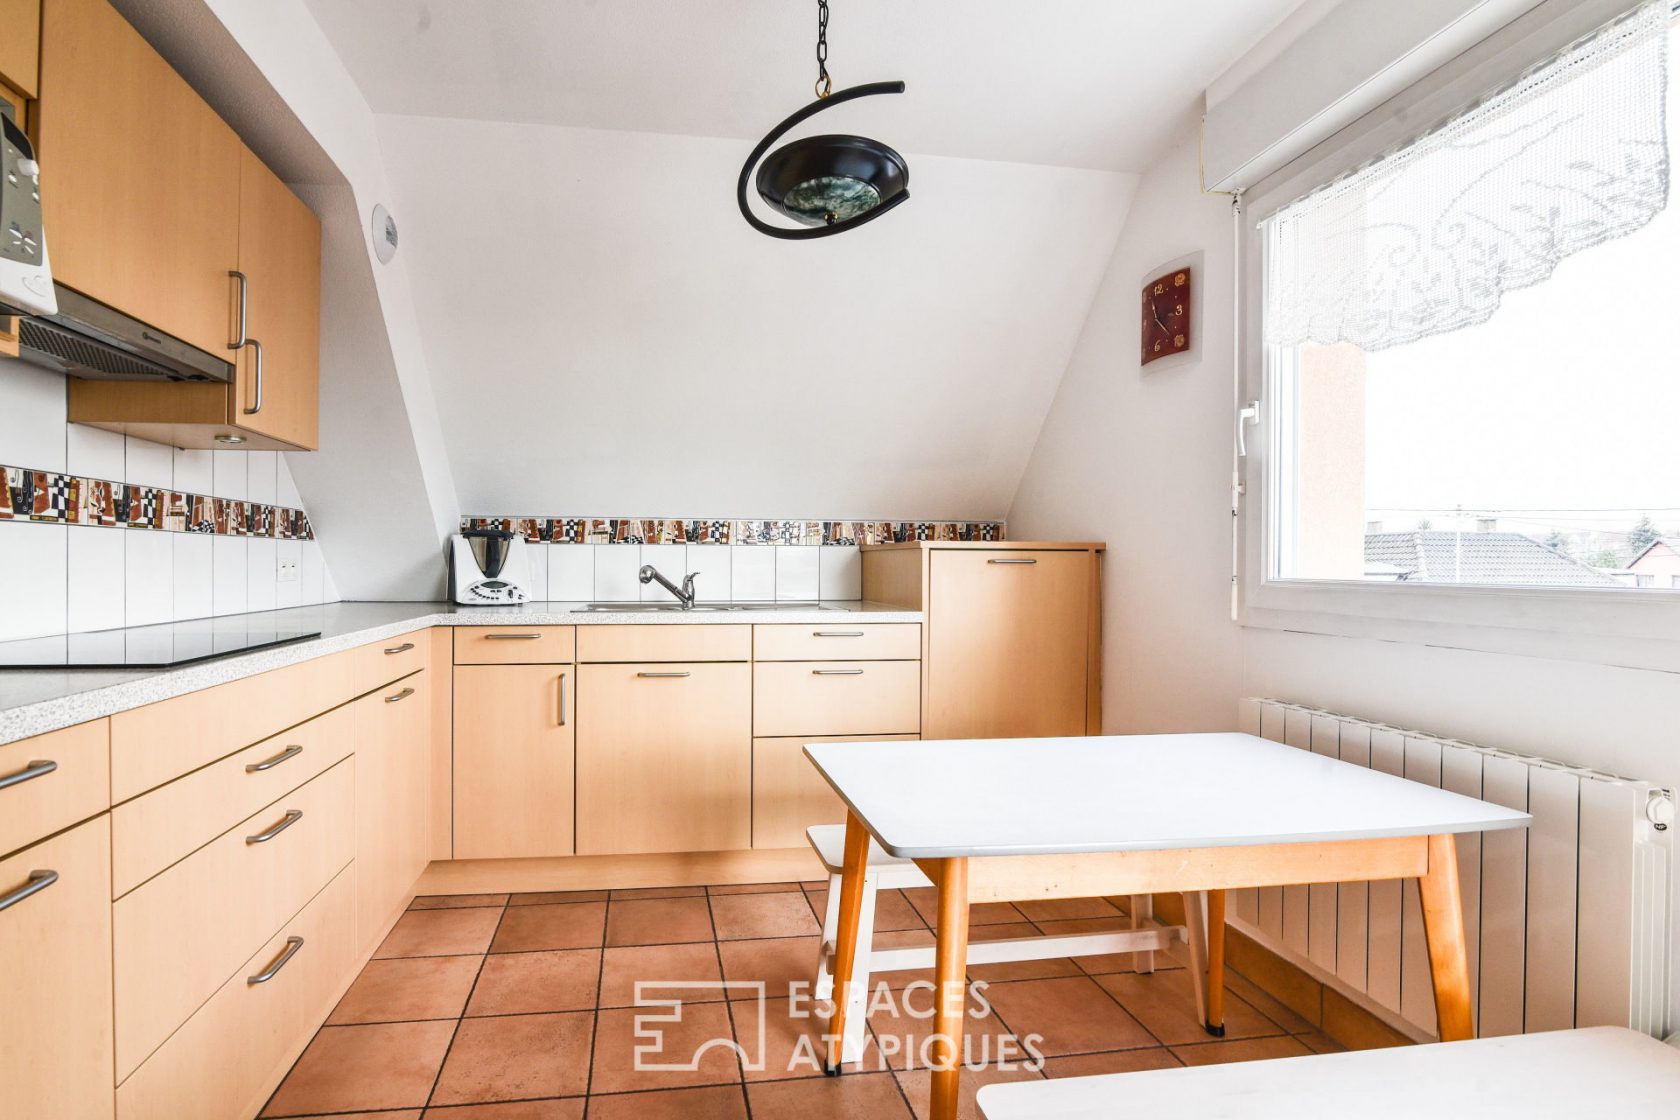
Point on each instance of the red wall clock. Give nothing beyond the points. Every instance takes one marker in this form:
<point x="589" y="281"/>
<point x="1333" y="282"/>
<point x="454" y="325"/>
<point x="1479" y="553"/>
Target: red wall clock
<point x="1166" y="315"/>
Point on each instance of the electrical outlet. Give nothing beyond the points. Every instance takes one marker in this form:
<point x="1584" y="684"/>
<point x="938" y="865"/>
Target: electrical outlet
<point x="288" y="571"/>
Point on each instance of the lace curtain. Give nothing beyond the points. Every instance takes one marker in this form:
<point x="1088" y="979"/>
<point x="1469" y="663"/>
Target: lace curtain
<point x="1429" y="238"/>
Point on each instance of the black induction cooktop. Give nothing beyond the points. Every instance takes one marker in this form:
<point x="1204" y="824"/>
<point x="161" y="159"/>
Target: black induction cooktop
<point x="146" y="647"/>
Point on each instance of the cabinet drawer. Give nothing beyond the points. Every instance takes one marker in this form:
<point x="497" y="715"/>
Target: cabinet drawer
<point x="52" y="781"/>
<point x="880" y="642"/>
<point x="381" y="663"/>
<point x="153" y="831"/>
<point x="837" y="698"/>
<point x="185" y="932"/>
<point x="789" y="795"/>
<point x="514" y="645"/>
<point x="229" y="1056"/>
<point x="55" y="1000"/>
<point x="667" y="642"/>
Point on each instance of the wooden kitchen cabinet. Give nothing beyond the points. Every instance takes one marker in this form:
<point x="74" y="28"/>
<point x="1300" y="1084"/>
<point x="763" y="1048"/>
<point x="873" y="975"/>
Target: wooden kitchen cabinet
<point x="513" y="760"/>
<point x="664" y="757"/>
<point x="393" y="812"/>
<point x="55" y="978"/>
<point x="20" y="44"/>
<point x="789" y="795"/>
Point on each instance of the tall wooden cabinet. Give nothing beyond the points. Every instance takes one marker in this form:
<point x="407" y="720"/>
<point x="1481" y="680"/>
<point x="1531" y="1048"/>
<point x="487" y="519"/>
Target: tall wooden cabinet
<point x="19" y="46"/>
<point x="1011" y="643"/>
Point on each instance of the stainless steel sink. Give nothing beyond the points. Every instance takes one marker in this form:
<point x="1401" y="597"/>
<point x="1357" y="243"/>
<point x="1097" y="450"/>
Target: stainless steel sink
<point x="677" y="608"/>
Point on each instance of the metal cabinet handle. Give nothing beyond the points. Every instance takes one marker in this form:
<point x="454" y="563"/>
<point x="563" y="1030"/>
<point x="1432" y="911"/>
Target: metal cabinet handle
<point x="1011" y="560"/>
<point x="836" y="672"/>
<point x="36" y="769"/>
<point x="511" y="637"/>
<point x="560" y="700"/>
<point x="293" y="944"/>
<point x="403" y="695"/>
<point x="270" y="763"/>
<point x="292" y="817"/>
<point x="404" y="648"/>
<point x="38" y="882"/>
<point x="244" y="292"/>
<point x="662" y="674"/>
<point x="256" y="392"/>
<point x="837" y="633"/>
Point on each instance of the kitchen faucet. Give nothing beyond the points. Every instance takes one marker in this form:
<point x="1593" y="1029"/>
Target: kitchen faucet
<point x="684" y="594"/>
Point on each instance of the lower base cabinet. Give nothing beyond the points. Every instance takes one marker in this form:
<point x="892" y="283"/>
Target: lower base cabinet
<point x="788" y="794"/>
<point x="664" y="757"/>
<point x="513" y="760"/>
<point x="55" y="977"/>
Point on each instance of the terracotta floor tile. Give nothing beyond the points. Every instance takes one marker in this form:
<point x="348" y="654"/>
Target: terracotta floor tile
<point x="1165" y="1003"/>
<point x="1005" y="971"/>
<point x="1320" y="1043"/>
<point x="1072" y="1015"/>
<point x="778" y="963"/>
<point x="438" y="933"/>
<point x="569" y="1109"/>
<point x="456" y="901"/>
<point x="700" y="1043"/>
<point x="696" y="963"/>
<point x="917" y="1085"/>
<point x="739" y="916"/>
<point x="390" y="991"/>
<point x="1114" y="1061"/>
<point x="516" y="1057"/>
<point x="344" y="1069"/>
<point x="573" y="925"/>
<point x="716" y="1102"/>
<point x="553" y="980"/>
<point x="892" y="911"/>
<point x="1240" y="1050"/>
<point x="1064" y="909"/>
<point x="925" y="901"/>
<point x="752" y="888"/>
<point x="657" y="892"/>
<point x="903" y="1025"/>
<point x="658" y="921"/>
<point x="789" y="1039"/>
<point x="1002" y="931"/>
<point x="1266" y="1004"/>
<point x="1102" y="963"/>
<point x="545" y="898"/>
<point x="399" y="1114"/>
<point x="863" y="1096"/>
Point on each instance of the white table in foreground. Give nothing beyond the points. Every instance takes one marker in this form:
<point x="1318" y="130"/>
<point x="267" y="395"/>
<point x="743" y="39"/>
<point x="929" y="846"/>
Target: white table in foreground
<point x="1002" y="820"/>
<point x="1600" y="1072"/>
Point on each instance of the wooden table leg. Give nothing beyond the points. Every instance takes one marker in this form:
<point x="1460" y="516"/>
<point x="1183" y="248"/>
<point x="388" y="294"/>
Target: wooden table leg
<point x="1443" y="929"/>
<point x="951" y="981"/>
<point x="846" y="937"/>
<point x="1216" y="963"/>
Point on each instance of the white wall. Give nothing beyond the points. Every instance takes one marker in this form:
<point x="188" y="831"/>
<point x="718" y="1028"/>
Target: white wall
<point x="69" y="578"/>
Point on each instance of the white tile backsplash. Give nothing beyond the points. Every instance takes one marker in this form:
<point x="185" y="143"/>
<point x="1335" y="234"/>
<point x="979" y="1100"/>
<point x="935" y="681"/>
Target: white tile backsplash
<point x="839" y="572"/>
<point x="615" y="574"/>
<point x="149" y="464"/>
<point x="712" y="561"/>
<point x="93" y="452"/>
<point x="262" y="574"/>
<point x="230" y="571"/>
<point x="149" y="579"/>
<point x="260" y="476"/>
<point x="95" y="587"/>
<point x="571" y="572"/>
<point x="752" y="574"/>
<point x="669" y="559"/>
<point x="32" y="411"/>
<point x="796" y="571"/>
<point x="288" y="589"/>
<point x="314" y="572"/>
<point x="285" y="489"/>
<point x="230" y="478"/>
<point x="35" y="558"/>
<point x="195" y="471"/>
<point x="536" y="559"/>
<point x="191" y="557"/>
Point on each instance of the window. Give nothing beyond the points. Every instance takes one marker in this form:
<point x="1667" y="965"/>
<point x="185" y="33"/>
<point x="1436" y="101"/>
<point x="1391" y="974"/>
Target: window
<point x="1473" y="344"/>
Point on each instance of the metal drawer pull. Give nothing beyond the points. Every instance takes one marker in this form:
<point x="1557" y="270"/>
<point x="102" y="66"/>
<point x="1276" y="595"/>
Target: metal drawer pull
<point x="244" y="307"/>
<point x="38" y="882"/>
<point x="837" y="633"/>
<point x="662" y="674"/>
<point x="511" y="637"/>
<point x="836" y="672"/>
<point x="292" y="817"/>
<point x="256" y="393"/>
<point x="270" y="763"/>
<point x="293" y="944"/>
<point x="403" y="695"/>
<point x="36" y="769"/>
<point x="560" y="700"/>
<point x="404" y="648"/>
<point x="1012" y="560"/>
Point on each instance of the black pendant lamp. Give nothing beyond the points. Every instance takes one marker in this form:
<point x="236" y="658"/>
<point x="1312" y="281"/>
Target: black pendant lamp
<point x="825" y="183"/>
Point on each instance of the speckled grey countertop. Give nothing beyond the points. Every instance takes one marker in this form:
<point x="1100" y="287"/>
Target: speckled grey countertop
<point x="35" y="701"/>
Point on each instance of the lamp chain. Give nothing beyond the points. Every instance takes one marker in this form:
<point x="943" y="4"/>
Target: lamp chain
<point x="825" y="84"/>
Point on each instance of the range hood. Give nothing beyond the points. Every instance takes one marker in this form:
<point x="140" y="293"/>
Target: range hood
<point x="88" y="339"/>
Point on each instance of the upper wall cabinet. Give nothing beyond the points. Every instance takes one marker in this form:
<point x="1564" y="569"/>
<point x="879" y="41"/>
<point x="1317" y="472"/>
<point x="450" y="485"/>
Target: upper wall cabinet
<point x="152" y="204"/>
<point x="19" y="44"/>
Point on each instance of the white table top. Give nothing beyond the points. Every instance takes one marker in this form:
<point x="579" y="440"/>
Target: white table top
<point x="1602" y="1072"/>
<point x="1115" y="793"/>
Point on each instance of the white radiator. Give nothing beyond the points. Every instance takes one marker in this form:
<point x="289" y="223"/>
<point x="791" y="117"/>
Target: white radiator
<point x="1568" y="921"/>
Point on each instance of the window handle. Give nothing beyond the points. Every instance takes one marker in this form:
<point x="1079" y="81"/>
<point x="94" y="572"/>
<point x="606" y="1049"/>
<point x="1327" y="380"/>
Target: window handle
<point x="1247" y="416"/>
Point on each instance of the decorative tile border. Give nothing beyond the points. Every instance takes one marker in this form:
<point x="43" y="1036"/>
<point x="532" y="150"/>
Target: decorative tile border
<point x="31" y="495"/>
<point x="653" y="530"/>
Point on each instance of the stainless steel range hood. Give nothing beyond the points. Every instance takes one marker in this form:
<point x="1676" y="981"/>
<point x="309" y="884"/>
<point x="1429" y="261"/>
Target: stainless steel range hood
<point x="88" y="339"/>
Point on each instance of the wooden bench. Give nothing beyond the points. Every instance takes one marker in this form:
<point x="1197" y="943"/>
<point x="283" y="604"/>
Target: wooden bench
<point x="1608" y="1072"/>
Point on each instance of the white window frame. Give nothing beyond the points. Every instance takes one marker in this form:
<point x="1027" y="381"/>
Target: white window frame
<point x="1626" y="626"/>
